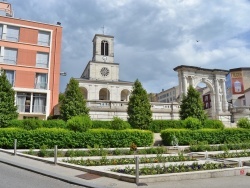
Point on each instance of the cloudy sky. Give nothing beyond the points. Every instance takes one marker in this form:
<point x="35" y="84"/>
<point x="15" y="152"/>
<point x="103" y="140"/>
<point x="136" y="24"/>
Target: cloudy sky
<point x="151" y="36"/>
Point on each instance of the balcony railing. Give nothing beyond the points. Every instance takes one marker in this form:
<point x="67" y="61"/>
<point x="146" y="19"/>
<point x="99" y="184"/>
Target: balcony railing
<point x="41" y="109"/>
<point x="41" y="85"/>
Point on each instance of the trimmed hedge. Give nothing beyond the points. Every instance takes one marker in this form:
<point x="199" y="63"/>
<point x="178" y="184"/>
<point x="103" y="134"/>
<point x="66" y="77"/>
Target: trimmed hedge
<point x="159" y="125"/>
<point x="211" y="136"/>
<point x="27" y="139"/>
<point x="97" y="124"/>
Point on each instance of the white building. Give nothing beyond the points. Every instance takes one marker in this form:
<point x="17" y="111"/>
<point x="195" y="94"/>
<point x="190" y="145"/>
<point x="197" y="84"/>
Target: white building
<point x="100" y="78"/>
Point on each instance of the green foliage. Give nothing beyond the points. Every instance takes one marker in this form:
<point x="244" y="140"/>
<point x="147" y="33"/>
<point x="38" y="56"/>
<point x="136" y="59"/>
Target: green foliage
<point x="79" y="123"/>
<point x="211" y="136"/>
<point x="139" y="108"/>
<point x="191" y="105"/>
<point x="213" y="124"/>
<point x="54" y="123"/>
<point x="73" y="103"/>
<point x="243" y="123"/>
<point x="118" y="124"/>
<point x="30" y="124"/>
<point x="158" y="125"/>
<point x="64" y="138"/>
<point x="8" y="109"/>
<point x="15" y="123"/>
<point x="98" y="124"/>
<point x="192" y="123"/>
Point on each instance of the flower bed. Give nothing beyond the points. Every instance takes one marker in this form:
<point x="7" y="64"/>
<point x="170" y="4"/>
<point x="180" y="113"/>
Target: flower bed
<point x="121" y="161"/>
<point x="158" y="169"/>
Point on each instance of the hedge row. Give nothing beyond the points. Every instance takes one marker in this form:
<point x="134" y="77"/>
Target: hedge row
<point x="63" y="138"/>
<point x="159" y="125"/>
<point x="211" y="136"/>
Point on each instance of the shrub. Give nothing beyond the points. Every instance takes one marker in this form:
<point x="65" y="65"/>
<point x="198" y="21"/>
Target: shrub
<point x="31" y="124"/>
<point x="159" y="125"/>
<point x="64" y="138"/>
<point x="54" y="123"/>
<point x="213" y="124"/>
<point x="79" y="123"/>
<point x="119" y="124"/>
<point x="211" y="136"/>
<point x="15" y="123"/>
<point x="192" y="123"/>
<point x="97" y="124"/>
<point x="243" y="123"/>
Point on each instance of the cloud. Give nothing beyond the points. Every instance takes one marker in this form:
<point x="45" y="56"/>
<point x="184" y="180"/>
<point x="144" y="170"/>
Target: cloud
<point x="153" y="36"/>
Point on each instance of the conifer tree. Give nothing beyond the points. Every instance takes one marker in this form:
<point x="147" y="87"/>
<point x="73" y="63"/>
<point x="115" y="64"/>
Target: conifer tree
<point x="139" y="108"/>
<point x="192" y="105"/>
<point x="8" y="109"/>
<point x="73" y="103"/>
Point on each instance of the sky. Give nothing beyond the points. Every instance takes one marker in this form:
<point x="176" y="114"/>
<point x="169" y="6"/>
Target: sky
<point x="151" y="37"/>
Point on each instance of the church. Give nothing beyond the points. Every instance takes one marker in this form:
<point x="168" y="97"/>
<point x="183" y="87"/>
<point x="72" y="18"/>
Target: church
<point x="100" y="78"/>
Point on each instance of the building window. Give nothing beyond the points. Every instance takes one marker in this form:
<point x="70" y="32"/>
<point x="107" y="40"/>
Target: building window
<point x="41" y="81"/>
<point x="10" y="74"/>
<point x="1" y="31"/>
<point x="42" y="59"/>
<point x="244" y="102"/>
<point x="39" y="103"/>
<point x="104" y="48"/>
<point x="43" y="38"/>
<point x="23" y="102"/>
<point x="10" y="56"/>
<point x="12" y="33"/>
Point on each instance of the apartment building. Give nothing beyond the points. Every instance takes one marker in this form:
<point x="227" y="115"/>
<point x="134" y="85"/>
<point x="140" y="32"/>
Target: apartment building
<point x="30" y="56"/>
<point x="169" y="95"/>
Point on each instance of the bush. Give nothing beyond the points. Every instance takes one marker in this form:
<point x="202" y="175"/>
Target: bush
<point x="79" y="123"/>
<point x="119" y="124"/>
<point x="243" y="123"/>
<point x="213" y="124"/>
<point x="159" y="125"/>
<point x="64" y="138"/>
<point x="54" y="123"/>
<point x="211" y="136"/>
<point x="192" y="123"/>
<point x="15" y="123"/>
<point x="97" y="124"/>
<point x="31" y="124"/>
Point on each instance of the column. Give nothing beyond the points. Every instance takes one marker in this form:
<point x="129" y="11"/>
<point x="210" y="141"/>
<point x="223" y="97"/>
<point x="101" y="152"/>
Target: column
<point x="184" y="80"/>
<point x="224" y="96"/>
<point x="217" y="96"/>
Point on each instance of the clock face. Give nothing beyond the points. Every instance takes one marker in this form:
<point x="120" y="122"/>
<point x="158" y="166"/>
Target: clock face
<point x="104" y="71"/>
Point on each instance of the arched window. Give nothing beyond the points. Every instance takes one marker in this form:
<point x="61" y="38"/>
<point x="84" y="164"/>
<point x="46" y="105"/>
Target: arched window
<point x="104" y="48"/>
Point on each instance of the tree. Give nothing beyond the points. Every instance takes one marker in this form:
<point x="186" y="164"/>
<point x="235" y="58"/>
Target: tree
<point x="8" y="109"/>
<point x="192" y="105"/>
<point x="73" y="103"/>
<point x="139" y="108"/>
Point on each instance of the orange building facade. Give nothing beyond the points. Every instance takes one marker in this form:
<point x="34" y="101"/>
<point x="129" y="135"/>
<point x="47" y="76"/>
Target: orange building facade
<point x="30" y="55"/>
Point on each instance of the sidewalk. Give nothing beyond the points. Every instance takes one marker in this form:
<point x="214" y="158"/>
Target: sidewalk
<point x="61" y="173"/>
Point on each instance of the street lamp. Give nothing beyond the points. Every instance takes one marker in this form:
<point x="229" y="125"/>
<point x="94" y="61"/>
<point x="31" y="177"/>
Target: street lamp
<point x="63" y="74"/>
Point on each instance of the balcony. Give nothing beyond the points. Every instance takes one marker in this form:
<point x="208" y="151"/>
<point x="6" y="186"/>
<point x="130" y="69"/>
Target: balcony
<point x="41" y="85"/>
<point x="36" y="109"/>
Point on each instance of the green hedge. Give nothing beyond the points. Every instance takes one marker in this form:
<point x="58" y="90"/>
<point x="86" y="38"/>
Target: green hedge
<point x="63" y="138"/>
<point x="158" y="125"/>
<point x="211" y="136"/>
<point x="97" y="124"/>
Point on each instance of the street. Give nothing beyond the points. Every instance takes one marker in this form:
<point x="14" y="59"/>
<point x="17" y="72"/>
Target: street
<point x="15" y="177"/>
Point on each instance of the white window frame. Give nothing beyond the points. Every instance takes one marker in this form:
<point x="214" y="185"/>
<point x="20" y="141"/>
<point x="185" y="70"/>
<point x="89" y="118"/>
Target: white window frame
<point x="12" y="33"/>
<point x="9" y="59"/>
<point x="40" y="84"/>
<point x="42" y="59"/>
<point x="43" y="38"/>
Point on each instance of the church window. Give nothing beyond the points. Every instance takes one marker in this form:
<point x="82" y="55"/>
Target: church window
<point x="104" y="48"/>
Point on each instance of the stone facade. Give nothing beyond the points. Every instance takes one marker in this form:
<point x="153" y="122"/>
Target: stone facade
<point x="100" y="78"/>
